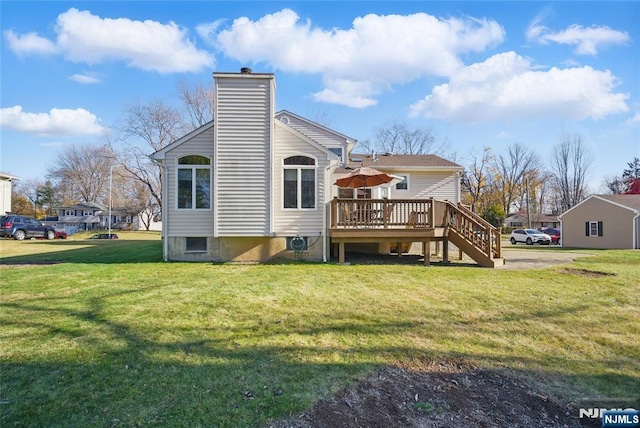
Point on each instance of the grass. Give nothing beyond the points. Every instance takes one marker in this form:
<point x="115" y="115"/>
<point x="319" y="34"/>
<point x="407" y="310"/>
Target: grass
<point x="111" y="336"/>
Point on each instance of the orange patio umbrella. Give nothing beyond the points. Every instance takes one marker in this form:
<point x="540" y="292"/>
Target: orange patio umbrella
<point x="364" y="177"/>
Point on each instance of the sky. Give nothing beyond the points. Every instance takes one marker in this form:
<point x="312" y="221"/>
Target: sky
<point x="476" y="73"/>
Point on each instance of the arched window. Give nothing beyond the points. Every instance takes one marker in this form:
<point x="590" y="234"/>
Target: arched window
<point x="194" y="182"/>
<point x="299" y="182"/>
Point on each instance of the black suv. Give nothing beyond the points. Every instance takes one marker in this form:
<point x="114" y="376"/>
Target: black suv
<point x="20" y="227"/>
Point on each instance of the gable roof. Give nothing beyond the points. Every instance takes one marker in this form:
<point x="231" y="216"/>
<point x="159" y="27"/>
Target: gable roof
<point x="630" y="202"/>
<point x="312" y="123"/>
<point x="160" y="154"/>
<point x="402" y="162"/>
<point x="306" y="139"/>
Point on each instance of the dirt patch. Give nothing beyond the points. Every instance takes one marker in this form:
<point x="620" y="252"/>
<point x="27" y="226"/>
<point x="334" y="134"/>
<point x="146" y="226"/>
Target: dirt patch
<point x="445" y="395"/>
<point x="28" y="263"/>
<point x="586" y="272"/>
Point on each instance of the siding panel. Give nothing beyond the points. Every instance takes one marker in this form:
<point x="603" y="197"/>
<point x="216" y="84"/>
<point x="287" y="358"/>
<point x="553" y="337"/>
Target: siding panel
<point x="243" y="145"/>
<point x="296" y="222"/>
<point x="187" y="222"/>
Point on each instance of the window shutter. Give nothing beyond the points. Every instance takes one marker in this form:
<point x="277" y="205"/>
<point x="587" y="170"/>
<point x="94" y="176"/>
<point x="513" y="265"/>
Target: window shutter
<point x="586" y="228"/>
<point x="599" y="228"/>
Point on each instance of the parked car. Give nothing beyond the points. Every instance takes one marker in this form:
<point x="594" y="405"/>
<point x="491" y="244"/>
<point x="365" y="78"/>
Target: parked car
<point x="529" y="237"/>
<point x="20" y="227"/>
<point x="554" y="234"/>
<point x="61" y="234"/>
<point x="104" y="236"/>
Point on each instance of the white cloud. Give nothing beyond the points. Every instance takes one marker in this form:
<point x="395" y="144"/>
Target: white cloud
<point x="30" y="43"/>
<point x="57" y="122"/>
<point x="506" y="87"/>
<point x="587" y="40"/>
<point x="148" y="45"/>
<point x="635" y="118"/>
<point x="362" y="61"/>
<point x="85" y="79"/>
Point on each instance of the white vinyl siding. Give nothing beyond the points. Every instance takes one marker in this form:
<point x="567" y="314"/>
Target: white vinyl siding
<point x="180" y="222"/>
<point x="423" y="184"/>
<point x="316" y="133"/>
<point x="303" y="222"/>
<point x="242" y="167"/>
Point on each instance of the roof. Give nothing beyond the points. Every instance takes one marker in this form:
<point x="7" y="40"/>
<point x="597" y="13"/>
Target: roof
<point x="401" y="161"/>
<point x="5" y="176"/>
<point x="304" y="119"/>
<point x="630" y="202"/>
<point x="82" y="205"/>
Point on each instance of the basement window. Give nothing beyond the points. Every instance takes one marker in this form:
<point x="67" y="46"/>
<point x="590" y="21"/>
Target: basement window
<point x="196" y="245"/>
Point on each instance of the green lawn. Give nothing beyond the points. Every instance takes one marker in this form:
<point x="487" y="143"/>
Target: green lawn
<point x="111" y="336"/>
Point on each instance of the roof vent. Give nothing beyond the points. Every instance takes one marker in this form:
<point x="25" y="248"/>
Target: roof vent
<point x="389" y="154"/>
<point x="245" y="70"/>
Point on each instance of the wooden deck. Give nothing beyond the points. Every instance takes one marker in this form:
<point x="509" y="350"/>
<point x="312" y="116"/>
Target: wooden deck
<point x="414" y="220"/>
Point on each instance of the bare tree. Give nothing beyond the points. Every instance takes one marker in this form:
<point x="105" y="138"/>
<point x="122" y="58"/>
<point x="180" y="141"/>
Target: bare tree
<point x="476" y="177"/>
<point x="31" y="190"/>
<point x="511" y="170"/>
<point x="148" y="128"/>
<point x="81" y="173"/>
<point x="198" y="103"/>
<point x="570" y="161"/>
<point x="400" y="138"/>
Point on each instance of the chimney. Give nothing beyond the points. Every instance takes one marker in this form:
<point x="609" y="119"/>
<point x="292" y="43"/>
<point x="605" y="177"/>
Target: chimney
<point x="245" y="70"/>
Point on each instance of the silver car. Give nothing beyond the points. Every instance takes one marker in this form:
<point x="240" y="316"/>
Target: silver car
<point x="529" y="237"/>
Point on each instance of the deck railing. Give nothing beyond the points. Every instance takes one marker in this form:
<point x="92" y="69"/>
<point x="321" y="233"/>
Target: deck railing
<point x="371" y="214"/>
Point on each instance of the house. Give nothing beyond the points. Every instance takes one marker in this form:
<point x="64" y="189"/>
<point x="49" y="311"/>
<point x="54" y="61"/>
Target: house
<point x="603" y="221"/>
<point x="255" y="184"/>
<point x="6" y="182"/>
<point x="538" y="221"/>
<point x="89" y="216"/>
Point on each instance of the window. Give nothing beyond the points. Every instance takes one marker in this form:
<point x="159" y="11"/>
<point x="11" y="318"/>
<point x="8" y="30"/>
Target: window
<point x="593" y="228"/>
<point x="337" y="151"/>
<point x="345" y="193"/>
<point x="198" y="244"/>
<point x="194" y="182"/>
<point x="404" y="184"/>
<point x="299" y="176"/>
<point x="363" y="193"/>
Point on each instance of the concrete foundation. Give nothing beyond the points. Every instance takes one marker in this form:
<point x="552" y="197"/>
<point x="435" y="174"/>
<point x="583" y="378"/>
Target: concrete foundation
<point x="243" y="250"/>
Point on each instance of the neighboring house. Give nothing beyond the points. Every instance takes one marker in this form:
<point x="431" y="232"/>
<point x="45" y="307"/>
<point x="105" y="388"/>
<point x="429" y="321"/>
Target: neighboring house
<point x="89" y="216"/>
<point x="603" y="221"/>
<point x="255" y="184"/>
<point x="6" y="181"/>
<point x="538" y="221"/>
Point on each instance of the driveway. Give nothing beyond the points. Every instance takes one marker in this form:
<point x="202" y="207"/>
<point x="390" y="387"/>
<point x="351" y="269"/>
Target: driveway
<point x="517" y="258"/>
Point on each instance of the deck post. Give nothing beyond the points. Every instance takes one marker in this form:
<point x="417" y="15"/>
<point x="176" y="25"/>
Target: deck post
<point x="432" y="212"/>
<point x="334" y="212"/>
<point x="437" y="249"/>
<point x="400" y="249"/>
<point x="426" y="250"/>
<point x="341" y="252"/>
<point x="445" y="250"/>
<point x="459" y="254"/>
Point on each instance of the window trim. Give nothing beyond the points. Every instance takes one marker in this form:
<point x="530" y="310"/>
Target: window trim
<point x="407" y="176"/>
<point x="299" y="169"/>
<point x="193" y="168"/>
<point x="598" y="229"/>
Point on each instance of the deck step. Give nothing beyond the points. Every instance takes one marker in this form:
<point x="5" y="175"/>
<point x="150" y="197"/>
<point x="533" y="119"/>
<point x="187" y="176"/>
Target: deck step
<point x="477" y="254"/>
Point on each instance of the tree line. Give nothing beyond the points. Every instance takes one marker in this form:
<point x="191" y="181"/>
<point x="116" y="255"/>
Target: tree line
<point x="118" y="171"/>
